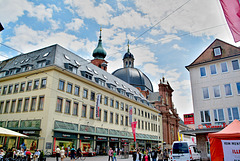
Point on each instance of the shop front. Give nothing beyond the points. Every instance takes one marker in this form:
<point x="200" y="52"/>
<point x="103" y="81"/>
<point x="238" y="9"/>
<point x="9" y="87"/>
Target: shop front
<point x="141" y="144"/>
<point x="114" y="143"/>
<point x="101" y="145"/>
<point x="31" y="142"/>
<point x="86" y="143"/>
<point x="65" y="140"/>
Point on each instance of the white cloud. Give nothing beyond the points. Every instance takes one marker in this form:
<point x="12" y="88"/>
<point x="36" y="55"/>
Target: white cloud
<point x="87" y="9"/>
<point x="169" y="38"/>
<point x="177" y="47"/>
<point x="75" y="24"/>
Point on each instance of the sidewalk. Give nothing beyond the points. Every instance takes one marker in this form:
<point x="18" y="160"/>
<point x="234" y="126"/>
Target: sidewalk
<point x="95" y="158"/>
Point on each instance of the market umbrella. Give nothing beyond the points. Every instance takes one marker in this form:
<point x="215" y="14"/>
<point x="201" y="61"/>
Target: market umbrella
<point x="7" y="132"/>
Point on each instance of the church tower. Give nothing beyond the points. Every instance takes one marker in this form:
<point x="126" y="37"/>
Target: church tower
<point x="128" y="59"/>
<point x="99" y="54"/>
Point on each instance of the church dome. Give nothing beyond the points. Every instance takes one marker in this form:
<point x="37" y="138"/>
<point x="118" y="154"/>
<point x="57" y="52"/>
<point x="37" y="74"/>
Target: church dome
<point x="134" y="77"/>
<point x="128" y="55"/>
<point x="99" y="52"/>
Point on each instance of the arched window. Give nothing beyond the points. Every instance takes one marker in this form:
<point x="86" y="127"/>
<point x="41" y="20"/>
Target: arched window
<point x="130" y="65"/>
<point x="126" y="64"/>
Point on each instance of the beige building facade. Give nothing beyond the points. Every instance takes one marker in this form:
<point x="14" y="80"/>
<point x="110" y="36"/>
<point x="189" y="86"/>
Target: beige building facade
<point x="50" y="95"/>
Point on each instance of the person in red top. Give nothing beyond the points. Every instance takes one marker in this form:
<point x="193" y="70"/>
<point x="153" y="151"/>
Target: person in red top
<point x="28" y="155"/>
<point x="110" y="154"/>
<point x="146" y="157"/>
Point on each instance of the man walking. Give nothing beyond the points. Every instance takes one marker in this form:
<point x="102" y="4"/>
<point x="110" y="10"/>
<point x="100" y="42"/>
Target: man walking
<point x="110" y="154"/>
<point x="154" y="155"/>
<point x="57" y="153"/>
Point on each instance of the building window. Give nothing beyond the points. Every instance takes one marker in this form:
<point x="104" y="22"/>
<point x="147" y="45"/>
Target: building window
<point x="61" y="85"/>
<point x="203" y="72"/>
<point x="224" y="67"/>
<point x="13" y="106"/>
<point x="36" y="84"/>
<point x="122" y="106"/>
<point x="22" y="88"/>
<point x="19" y="105"/>
<point x="91" y="116"/>
<point x="149" y="126"/>
<point x="135" y="110"/>
<point x="69" y="87"/>
<point x="126" y="120"/>
<point x="59" y="104"/>
<point x="138" y="112"/>
<point x="145" y="114"/>
<point x="213" y="69"/>
<point x="67" y="107"/>
<point x="43" y="82"/>
<point x="4" y="90"/>
<point x="75" y="109"/>
<point x="218" y="116"/>
<point x="143" y="125"/>
<point x="142" y="114"/>
<point x="105" y="100"/>
<point x="111" y="102"/>
<point x="100" y="114"/>
<point x="76" y="90"/>
<point x="116" y="119"/>
<point x="205" y="93"/>
<point x="233" y="113"/>
<point x="84" y="110"/>
<point x="228" y="89"/>
<point x="111" y="117"/>
<point x="205" y="116"/>
<point x="92" y="98"/>
<point x="126" y="108"/>
<point x="41" y="103"/>
<point x="26" y="104"/>
<point x="217" y="51"/>
<point x="105" y="116"/>
<point x="117" y="105"/>
<point x="238" y="87"/>
<point x="139" y="124"/>
<point x="1" y="106"/>
<point x="7" y="107"/>
<point x="235" y="65"/>
<point x="33" y="104"/>
<point x="121" y="120"/>
<point x="216" y="91"/>
<point x="16" y="87"/>
<point x="29" y="86"/>
<point x="10" y="88"/>
<point x="85" y="93"/>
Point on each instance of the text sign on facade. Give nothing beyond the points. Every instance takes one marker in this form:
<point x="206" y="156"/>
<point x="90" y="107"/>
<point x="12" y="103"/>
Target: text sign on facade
<point x="188" y="118"/>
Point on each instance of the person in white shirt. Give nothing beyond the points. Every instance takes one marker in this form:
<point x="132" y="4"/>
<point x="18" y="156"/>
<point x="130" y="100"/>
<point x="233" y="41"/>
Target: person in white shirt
<point x="57" y="153"/>
<point x="36" y="154"/>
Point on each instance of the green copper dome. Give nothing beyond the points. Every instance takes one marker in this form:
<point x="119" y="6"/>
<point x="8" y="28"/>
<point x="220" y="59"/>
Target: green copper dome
<point x="99" y="52"/>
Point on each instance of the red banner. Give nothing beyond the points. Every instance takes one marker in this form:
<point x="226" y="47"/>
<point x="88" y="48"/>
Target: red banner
<point x="134" y="124"/>
<point x="188" y="118"/>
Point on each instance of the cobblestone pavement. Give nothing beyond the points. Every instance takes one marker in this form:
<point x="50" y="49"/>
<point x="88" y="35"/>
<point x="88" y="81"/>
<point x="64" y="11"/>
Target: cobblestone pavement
<point x="95" y="158"/>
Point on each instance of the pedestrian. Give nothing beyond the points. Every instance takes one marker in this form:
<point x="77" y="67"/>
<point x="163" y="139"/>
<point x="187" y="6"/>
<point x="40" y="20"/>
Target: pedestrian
<point x="114" y="156"/>
<point x="110" y="154"/>
<point x="165" y="155"/>
<point x="146" y="156"/>
<point x="57" y="153"/>
<point x="68" y="150"/>
<point x="160" y="155"/>
<point x="134" y="155"/>
<point x="62" y="153"/>
<point x="154" y="154"/>
<point x="72" y="152"/>
<point x="79" y="153"/>
<point x="36" y="154"/>
<point x="28" y="155"/>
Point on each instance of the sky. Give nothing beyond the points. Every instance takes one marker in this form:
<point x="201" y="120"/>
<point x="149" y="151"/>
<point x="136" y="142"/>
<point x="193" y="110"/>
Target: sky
<point x="164" y="35"/>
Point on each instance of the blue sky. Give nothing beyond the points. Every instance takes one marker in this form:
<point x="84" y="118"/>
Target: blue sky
<point x="175" y="33"/>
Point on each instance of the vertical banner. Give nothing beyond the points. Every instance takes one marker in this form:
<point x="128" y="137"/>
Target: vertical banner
<point x="98" y="105"/>
<point x="54" y="144"/>
<point x="231" y="10"/>
<point x="134" y="124"/>
<point x="130" y="115"/>
<point x="231" y="149"/>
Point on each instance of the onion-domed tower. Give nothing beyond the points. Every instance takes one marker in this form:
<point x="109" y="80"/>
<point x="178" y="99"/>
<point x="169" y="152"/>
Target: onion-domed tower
<point x="132" y="75"/>
<point x="99" y="54"/>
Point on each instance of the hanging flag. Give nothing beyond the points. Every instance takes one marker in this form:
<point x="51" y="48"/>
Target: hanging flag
<point x="130" y="115"/>
<point x="231" y="10"/>
<point x="134" y="124"/>
<point x="98" y="105"/>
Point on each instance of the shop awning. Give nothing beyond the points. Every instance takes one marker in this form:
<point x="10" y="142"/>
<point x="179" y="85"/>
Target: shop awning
<point x="7" y="132"/>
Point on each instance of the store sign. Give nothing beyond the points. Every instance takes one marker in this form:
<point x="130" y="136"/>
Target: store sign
<point x="101" y="138"/>
<point x="66" y="135"/>
<point x="124" y="140"/>
<point x="212" y="126"/>
<point x="231" y="149"/>
<point x="29" y="132"/>
<point x="188" y="118"/>
<point x="113" y="139"/>
<point x="87" y="137"/>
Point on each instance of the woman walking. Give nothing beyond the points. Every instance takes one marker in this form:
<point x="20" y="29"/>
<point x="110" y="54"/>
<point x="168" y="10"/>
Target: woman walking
<point x="62" y="153"/>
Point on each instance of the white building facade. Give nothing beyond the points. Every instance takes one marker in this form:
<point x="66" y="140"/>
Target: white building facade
<point x="215" y="83"/>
